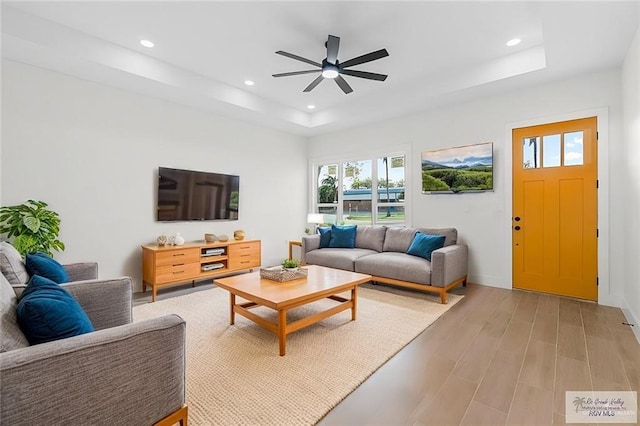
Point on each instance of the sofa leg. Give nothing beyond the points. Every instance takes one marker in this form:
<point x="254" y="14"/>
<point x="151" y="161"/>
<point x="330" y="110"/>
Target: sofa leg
<point x="464" y="283"/>
<point x="443" y="297"/>
<point x="179" y="416"/>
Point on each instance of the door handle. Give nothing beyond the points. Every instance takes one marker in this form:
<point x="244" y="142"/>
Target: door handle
<point x="517" y="218"/>
<point x="517" y="228"/>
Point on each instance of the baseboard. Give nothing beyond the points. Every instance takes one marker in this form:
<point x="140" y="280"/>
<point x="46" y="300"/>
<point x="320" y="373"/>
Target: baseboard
<point x="488" y="280"/>
<point x="631" y="319"/>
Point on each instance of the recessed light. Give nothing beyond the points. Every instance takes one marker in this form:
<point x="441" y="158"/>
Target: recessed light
<point x="249" y="82"/>
<point x="146" y="43"/>
<point x="311" y="106"/>
<point x="513" y="42"/>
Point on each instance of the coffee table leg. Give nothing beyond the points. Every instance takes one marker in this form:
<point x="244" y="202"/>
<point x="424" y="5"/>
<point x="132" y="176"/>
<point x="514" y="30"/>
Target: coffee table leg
<point x="282" y="331"/>
<point x="354" y="298"/>
<point x="232" y="298"/>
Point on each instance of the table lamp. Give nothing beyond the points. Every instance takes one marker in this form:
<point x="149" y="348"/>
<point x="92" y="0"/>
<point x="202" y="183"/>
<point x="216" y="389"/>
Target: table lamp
<point x="316" y="219"/>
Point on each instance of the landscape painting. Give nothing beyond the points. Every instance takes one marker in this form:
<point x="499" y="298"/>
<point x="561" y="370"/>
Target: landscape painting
<point x="460" y="169"/>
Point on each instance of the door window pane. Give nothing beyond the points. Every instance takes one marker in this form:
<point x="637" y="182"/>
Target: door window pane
<point x="573" y="149"/>
<point x="356" y="205"/>
<point x="531" y="152"/>
<point x="327" y="183"/>
<point x="551" y="151"/>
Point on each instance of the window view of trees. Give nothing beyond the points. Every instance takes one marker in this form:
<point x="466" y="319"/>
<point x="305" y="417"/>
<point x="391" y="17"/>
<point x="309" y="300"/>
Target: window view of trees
<point x="328" y="191"/>
<point x="346" y="193"/>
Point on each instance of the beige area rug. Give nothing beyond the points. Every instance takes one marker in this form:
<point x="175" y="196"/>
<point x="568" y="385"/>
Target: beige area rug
<point x="236" y="377"/>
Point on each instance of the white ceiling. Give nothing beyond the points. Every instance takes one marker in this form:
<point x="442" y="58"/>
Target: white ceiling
<point x="204" y="51"/>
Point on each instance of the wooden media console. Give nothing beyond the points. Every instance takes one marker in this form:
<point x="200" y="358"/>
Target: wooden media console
<point x="168" y="265"/>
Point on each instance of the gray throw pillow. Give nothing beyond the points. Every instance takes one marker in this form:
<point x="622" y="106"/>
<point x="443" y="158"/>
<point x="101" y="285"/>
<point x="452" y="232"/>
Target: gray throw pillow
<point x="398" y="239"/>
<point x="11" y="337"/>
<point x="370" y="237"/>
<point x="12" y="265"/>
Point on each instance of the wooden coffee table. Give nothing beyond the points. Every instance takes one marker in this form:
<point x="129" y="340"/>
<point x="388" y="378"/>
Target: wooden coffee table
<point x="320" y="283"/>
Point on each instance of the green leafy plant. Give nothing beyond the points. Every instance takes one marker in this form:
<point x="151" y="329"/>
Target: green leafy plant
<point x="290" y="263"/>
<point x="32" y="226"/>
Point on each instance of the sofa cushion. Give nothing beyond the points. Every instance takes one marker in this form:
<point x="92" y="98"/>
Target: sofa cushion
<point x="45" y="266"/>
<point x="370" y="237"/>
<point x="343" y="236"/>
<point x="424" y="244"/>
<point x="339" y="258"/>
<point x="325" y="236"/>
<point x="11" y="264"/>
<point x="47" y="312"/>
<point x="398" y="239"/>
<point x="12" y="337"/>
<point x="450" y="234"/>
<point x="399" y="266"/>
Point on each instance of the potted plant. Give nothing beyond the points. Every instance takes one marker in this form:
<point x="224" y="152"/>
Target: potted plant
<point x="33" y="227"/>
<point x="291" y="264"/>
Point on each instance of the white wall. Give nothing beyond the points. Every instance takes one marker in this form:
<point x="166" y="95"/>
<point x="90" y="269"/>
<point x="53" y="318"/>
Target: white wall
<point x="483" y="219"/>
<point x="631" y="105"/>
<point x="92" y="153"/>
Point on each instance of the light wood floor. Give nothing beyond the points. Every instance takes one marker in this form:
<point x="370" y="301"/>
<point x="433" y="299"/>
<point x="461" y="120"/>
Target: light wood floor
<point x="497" y="357"/>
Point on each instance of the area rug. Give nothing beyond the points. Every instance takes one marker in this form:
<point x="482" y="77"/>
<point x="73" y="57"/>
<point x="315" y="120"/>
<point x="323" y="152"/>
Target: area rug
<point x="236" y="377"/>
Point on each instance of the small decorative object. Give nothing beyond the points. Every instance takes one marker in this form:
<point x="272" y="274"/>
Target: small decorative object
<point x="238" y="235"/>
<point x="161" y="240"/>
<point x="171" y="240"/>
<point x="210" y="238"/>
<point x="178" y="240"/>
<point x="291" y="264"/>
<point x="223" y="238"/>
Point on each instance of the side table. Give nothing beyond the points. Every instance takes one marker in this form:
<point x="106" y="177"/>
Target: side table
<point x="291" y="244"/>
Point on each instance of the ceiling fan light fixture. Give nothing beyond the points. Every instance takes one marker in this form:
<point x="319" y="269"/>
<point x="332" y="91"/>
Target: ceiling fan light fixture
<point x="330" y="71"/>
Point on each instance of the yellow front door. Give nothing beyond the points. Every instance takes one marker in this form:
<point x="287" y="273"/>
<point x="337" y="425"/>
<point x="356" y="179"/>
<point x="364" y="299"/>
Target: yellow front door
<point x="554" y="221"/>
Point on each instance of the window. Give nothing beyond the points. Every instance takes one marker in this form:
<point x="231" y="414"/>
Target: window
<point x="365" y="191"/>
<point x="556" y="150"/>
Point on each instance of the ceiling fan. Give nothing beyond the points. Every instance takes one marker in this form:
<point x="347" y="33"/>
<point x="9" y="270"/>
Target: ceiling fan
<point x="331" y="68"/>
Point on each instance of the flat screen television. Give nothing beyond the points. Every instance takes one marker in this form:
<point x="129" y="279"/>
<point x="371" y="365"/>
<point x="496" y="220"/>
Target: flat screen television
<point x="185" y="195"/>
<point x="461" y="169"/>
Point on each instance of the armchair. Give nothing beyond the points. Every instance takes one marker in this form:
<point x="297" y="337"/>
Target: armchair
<point x="123" y="373"/>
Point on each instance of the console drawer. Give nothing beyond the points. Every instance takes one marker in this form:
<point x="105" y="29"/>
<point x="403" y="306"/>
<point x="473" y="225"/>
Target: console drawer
<point x="244" y="255"/>
<point x="177" y="272"/>
<point x="177" y="256"/>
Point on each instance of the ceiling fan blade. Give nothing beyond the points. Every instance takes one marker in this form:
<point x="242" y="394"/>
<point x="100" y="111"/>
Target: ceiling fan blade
<point x="333" y="44"/>
<point x="343" y="84"/>
<point x="286" y="74"/>
<point x="313" y="84"/>
<point x="365" y="58"/>
<point x="364" y="74"/>
<point x="299" y="58"/>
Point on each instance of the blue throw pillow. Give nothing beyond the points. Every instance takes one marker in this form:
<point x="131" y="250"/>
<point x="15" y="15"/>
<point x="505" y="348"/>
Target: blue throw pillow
<point x="424" y="244"/>
<point x="343" y="236"/>
<point x="325" y="237"/>
<point x="45" y="266"/>
<point x="46" y="312"/>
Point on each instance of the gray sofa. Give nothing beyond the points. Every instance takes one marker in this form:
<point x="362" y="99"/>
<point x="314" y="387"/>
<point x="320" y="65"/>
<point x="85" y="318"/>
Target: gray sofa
<point x="123" y="373"/>
<point x="381" y="252"/>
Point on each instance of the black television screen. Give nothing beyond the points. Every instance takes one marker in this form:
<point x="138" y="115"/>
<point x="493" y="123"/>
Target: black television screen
<point x="460" y="169"/>
<point x="190" y="195"/>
